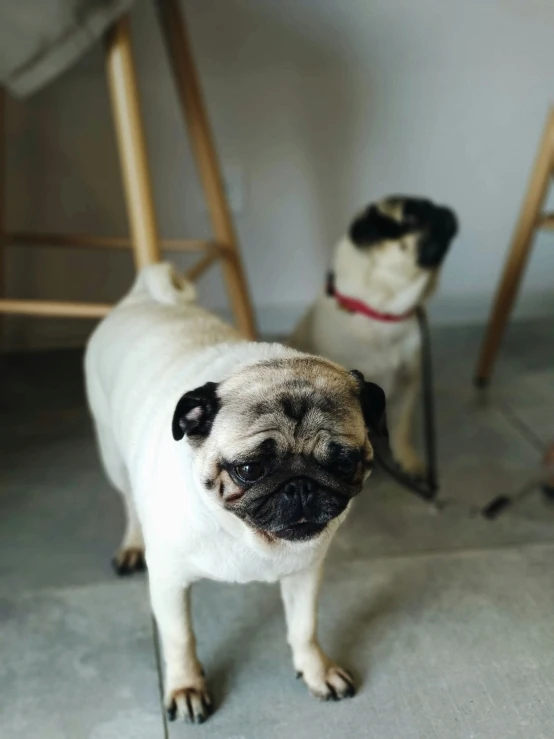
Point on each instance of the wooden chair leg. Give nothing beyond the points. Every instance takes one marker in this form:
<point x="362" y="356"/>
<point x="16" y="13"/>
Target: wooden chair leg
<point x="196" y="118"/>
<point x="131" y="143"/>
<point x="518" y="254"/>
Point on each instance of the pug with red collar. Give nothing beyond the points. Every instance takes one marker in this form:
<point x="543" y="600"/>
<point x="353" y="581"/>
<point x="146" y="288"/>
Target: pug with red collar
<point x="385" y="268"/>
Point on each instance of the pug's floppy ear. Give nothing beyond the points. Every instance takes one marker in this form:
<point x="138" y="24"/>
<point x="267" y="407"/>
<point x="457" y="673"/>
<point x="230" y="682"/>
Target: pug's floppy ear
<point x="373" y="402"/>
<point x="195" y="412"/>
<point x="372" y="227"/>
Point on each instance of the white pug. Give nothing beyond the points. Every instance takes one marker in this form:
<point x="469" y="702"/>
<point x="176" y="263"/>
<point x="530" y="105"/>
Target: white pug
<point x="384" y="269"/>
<point x="237" y="461"/>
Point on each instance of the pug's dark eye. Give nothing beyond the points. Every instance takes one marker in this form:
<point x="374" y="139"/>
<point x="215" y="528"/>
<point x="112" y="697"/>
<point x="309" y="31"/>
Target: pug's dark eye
<point x="343" y="460"/>
<point x="346" y="466"/>
<point x="249" y="472"/>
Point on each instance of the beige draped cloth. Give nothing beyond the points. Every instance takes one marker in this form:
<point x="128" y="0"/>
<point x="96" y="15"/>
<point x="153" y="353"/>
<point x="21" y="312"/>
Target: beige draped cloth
<point x="40" y="39"/>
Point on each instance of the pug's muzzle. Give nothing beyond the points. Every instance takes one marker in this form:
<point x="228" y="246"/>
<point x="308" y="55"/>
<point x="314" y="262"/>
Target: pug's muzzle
<point x="297" y="508"/>
<point x="440" y="229"/>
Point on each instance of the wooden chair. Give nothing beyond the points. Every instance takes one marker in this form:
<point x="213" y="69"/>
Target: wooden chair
<point x="144" y="240"/>
<point x="530" y="220"/>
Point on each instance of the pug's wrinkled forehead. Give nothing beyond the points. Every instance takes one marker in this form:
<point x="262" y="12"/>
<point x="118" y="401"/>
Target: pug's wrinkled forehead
<point x="298" y="402"/>
<point x="298" y="405"/>
<point x="395" y="217"/>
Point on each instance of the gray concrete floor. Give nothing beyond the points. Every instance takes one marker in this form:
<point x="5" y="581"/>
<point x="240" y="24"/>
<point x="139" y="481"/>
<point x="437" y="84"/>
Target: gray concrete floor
<point x="445" y="619"/>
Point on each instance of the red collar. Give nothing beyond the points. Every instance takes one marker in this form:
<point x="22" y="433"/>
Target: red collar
<point x="353" y="305"/>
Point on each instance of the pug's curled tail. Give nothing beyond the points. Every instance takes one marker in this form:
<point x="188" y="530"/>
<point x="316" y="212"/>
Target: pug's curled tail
<point x="164" y="284"/>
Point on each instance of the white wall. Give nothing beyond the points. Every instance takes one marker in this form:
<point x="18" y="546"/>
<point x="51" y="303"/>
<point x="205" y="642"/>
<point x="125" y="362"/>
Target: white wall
<point x="324" y="106"/>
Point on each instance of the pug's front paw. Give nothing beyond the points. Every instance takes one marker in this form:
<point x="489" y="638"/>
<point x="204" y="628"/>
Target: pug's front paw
<point x="326" y="680"/>
<point x="191" y="703"/>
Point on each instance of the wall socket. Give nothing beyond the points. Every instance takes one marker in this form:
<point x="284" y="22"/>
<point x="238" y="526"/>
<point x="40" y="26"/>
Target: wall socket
<point x="234" y="184"/>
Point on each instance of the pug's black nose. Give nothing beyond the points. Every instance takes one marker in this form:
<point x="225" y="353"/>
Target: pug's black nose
<point x="302" y="489"/>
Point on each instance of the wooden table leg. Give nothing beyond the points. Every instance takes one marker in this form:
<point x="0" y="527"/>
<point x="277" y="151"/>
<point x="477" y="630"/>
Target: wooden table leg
<point x="190" y="95"/>
<point x="518" y="254"/>
<point x="131" y="143"/>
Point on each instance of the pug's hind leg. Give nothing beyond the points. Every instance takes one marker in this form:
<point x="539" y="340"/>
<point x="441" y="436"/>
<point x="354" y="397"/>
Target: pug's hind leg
<point x="130" y="556"/>
<point x="324" y="678"/>
<point x="186" y="695"/>
<point x="401" y="427"/>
